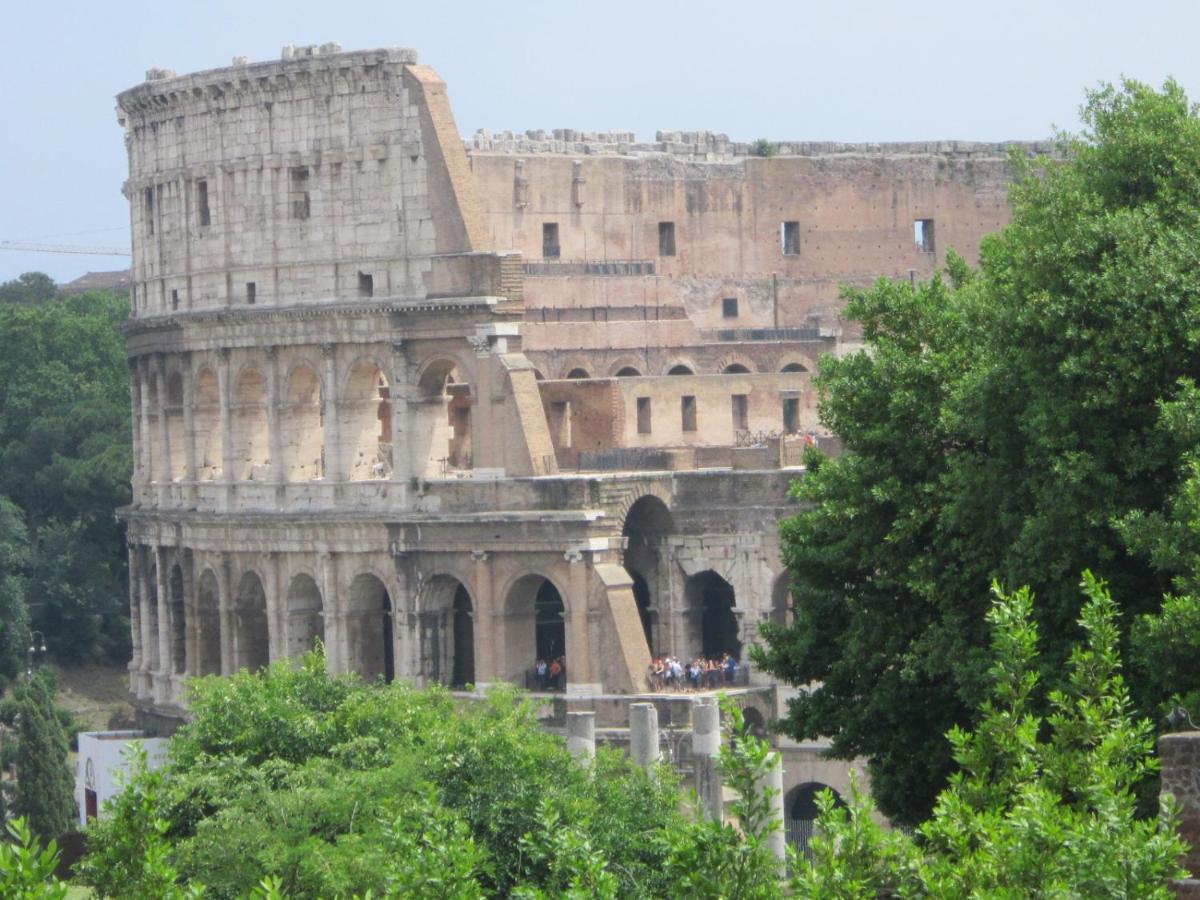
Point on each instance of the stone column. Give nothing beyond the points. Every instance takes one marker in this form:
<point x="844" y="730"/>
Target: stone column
<point x="135" y="620"/>
<point x="139" y="438"/>
<point x="144" y="430"/>
<point x="643" y="734"/>
<point x="405" y="649"/>
<point x="331" y="606"/>
<point x="402" y="418"/>
<point x="190" y="631"/>
<point x="706" y="744"/>
<point x="489" y="628"/>
<point x="189" y="425"/>
<point x="486" y="452"/>
<point x="579" y="658"/>
<point x="164" y="430"/>
<point x="773" y="781"/>
<point x="581" y="735"/>
<point x="274" y="403"/>
<point x="225" y="389"/>
<point x="276" y="636"/>
<point x="225" y="610"/>
<point x="333" y="466"/>
<point x="149" y="636"/>
<point x="162" y="677"/>
<point x="1179" y="753"/>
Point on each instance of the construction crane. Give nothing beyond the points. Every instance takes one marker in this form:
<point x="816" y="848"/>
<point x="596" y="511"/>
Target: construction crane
<point x="62" y="248"/>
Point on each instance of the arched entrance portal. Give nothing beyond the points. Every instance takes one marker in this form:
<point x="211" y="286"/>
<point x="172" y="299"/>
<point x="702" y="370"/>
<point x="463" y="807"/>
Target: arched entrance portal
<point x="369" y="630"/>
<point x="711" y="601"/>
<point x="645" y="529"/>
<point x="305" y="620"/>
<point x="444" y="414"/>
<point x="447" y="633"/>
<point x="535" y="627"/>
<point x="208" y="625"/>
<point x="801" y="809"/>
<point x="251" y="637"/>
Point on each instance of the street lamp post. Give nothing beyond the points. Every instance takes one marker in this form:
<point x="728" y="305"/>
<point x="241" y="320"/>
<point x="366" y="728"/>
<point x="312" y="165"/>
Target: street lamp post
<point x="37" y="644"/>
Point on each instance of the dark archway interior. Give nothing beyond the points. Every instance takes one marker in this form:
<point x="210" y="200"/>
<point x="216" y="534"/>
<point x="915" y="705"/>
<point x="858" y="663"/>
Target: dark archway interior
<point x="549" y="615"/>
<point x="718" y="624"/>
<point x="803" y="801"/>
<point x="389" y="648"/>
<point x="645" y="529"/>
<point x="464" y="640"/>
<point x="641" y="595"/>
<point x="178" y="630"/>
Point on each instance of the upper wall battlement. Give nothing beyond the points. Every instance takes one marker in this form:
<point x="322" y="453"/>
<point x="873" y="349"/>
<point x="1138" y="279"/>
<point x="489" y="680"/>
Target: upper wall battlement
<point x="708" y="146"/>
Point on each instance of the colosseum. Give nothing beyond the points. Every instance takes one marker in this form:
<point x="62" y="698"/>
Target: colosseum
<point x="451" y="407"/>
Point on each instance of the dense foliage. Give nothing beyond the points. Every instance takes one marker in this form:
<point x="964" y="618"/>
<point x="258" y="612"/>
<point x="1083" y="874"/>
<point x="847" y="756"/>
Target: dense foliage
<point x="1040" y="807"/>
<point x="336" y="788"/>
<point x="44" y="795"/>
<point x="64" y="467"/>
<point x="1021" y="422"/>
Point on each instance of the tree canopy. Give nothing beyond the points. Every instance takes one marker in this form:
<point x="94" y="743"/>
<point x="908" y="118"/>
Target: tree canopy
<point x="1021" y="422"/>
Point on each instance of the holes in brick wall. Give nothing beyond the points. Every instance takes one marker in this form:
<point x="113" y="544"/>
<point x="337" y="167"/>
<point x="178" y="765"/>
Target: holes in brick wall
<point x="789" y="238"/>
<point x="251" y="292"/>
<point x="298" y="192"/>
<point x="202" y="203"/>
<point x="550" y="245"/>
<point x="643" y="415"/>
<point x="687" y="412"/>
<point x="923" y="234"/>
<point x="366" y="285"/>
<point x="666" y="238"/>
<point x="729" y="307"/>
<point x="740" y="406"/>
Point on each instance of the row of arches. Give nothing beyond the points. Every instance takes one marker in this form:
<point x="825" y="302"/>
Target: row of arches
<point x="358" y="440"/>
<point x="630" y="371"/>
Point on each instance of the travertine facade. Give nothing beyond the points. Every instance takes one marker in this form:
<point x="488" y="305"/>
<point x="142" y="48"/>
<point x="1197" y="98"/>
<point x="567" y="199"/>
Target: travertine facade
<point x="453" y="408"/>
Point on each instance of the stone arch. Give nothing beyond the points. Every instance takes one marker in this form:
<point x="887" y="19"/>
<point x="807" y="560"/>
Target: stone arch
<point x="755" y="722"/>
<point x="446" y="620"/>
<point x="177" y="620"/>
<point x="729" y="363"/>
<point x="627" y="372"/>
<point x="535" y="624"/>
<point x="369" y="629"/>
<point x="577" y="372"/>
<point x="735" y="368"/>
<point x="646" y="524"/>
<point x="206" y="422"/>
<point x="791" y="364"/>
<point x="444" y="417"/>
<point x="365" y="421"/>
<point x="303" y="425"/>
<point x="251" y="435"/>
<point x="305" y="611"/>
<point x="173" y="410"/>
<point x="713" y="624"/>
<point x="251" y="633"/>
<point x="626" y="367"/>
<point x="800" y="811"/>
<point x="208" y="624"/>
<point x="781" y="599"/>
<point x="681" y="367"/>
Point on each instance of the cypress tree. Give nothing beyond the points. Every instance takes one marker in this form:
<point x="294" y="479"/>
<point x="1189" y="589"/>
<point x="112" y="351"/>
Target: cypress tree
<point x="45" y="793"/>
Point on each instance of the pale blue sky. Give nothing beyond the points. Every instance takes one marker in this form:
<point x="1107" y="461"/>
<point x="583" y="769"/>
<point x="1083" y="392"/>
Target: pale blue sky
<point x="857" y="70"/>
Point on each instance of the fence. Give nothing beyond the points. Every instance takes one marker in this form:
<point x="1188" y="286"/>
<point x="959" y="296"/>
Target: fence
<point x="799" y="834"/>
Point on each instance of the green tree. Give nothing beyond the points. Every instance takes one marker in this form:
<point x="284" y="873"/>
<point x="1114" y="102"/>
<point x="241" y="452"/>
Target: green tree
<point x="14" y="616"/>
<point x="1003" y="424"/>
<point x="27" y="868"/>
<point x="45" y="790"/>
<point x="1041" y="806"/>
<point x="30" y="288"/>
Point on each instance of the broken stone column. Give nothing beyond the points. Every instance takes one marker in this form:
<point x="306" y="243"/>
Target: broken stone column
<point x="643" y="734"/>
<point x="773" y="781"/>
<point x="581" y="735"/>
<point x="706" y="744"/>
<point x="1179" y="754"/>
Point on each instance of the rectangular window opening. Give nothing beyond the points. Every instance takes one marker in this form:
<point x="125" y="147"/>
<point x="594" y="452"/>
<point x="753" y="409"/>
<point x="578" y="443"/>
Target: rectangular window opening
<point x="643" y="415"/>
<point x="687" y="412"/>
<point x="923" y="234"/>
<point x="729" y="307"/>
<point x="251" y="292"/>
<point x="791" y="415"/>
<point x="149" y="196"/>
<point x="666" y="238"/>
<point x="789" y="238"/>
<point x="366" y="285"/>
<point x="301" y="203"/>
<point x="550" y="246"/>
<point x="741" y="412"/>
<point x="202" y="203"/>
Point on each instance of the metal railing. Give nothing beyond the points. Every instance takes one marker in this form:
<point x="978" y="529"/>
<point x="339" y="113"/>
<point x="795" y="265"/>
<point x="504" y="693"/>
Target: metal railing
<point x="799" y="834"/>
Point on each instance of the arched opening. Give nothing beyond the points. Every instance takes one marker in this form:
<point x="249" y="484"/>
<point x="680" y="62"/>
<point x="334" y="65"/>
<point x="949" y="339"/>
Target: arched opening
<point x="251" y="453"/>
<point x="781" y="600"/>
<point x="447" y="632"/>
<point x="680" y="369"/>
<point x="535" y="629"/>
<point x="735" y="369"/>
<point x="366" y="423"/>
<point x="151" y="608"/>
<point x="793" y="367"/>
<point x="305" y="619"/>
<point x="175" y="612"/>
<point x="711" y="602"/>
<point x="175" y="433"/>
<point x="756" y="723"/>
<point x="445" y="413"/>
<point x="578" y="373"/>
<point x="208" y="625"/>
<point x="646" y="526"/>
<point x="206" y="423"/>
<point x="800" y="806"/>
<point x="303" y="425"/>
<point x="369" y="629"/>
<point x="251" y="635"/>
<point x="628" y="372"/>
